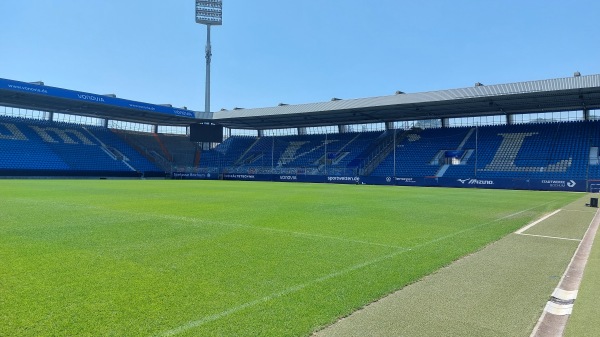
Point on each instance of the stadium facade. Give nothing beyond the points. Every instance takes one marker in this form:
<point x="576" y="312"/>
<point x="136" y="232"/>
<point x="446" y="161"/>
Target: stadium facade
<point x="541" y="135"/>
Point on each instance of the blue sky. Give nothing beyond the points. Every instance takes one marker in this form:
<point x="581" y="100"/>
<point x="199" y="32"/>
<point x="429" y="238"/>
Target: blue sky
<point x="272" y="51"/>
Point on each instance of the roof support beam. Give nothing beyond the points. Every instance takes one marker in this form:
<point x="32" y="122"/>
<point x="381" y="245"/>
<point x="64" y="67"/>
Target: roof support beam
<point x="510" y="119"/>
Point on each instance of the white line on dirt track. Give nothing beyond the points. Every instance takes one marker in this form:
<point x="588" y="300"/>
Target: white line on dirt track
<point x="549" y="237"/>
<point x="520" y="231"/>
<point x="579" y="210"/>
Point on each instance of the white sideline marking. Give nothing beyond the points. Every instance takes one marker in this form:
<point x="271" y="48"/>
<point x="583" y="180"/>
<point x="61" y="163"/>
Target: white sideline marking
<point x="483" y="224"/>
<point x="520" y="231"/>
<point x="272" y="296"/>
<point x="214" y="317"/>
<point x="551" y="237"/>
<point x="269" y="229"/>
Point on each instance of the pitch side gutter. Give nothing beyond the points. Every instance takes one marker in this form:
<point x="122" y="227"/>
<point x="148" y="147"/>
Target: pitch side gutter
<point x="560" y="305"/>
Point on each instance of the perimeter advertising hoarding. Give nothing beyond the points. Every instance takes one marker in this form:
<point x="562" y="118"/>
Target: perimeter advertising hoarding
<point x="571" y="185"/>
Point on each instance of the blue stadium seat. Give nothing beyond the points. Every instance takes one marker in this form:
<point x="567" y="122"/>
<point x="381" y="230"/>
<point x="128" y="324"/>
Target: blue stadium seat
<point x="30" y="144"/>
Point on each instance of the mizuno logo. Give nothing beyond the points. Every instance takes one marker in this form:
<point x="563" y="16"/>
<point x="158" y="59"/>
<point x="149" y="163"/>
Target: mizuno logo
<point x="475" y="182"/>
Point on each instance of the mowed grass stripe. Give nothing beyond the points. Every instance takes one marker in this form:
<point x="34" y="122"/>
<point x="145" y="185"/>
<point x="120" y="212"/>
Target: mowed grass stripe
<point x="197" y="221"/>
<point x="106" y="272"/>
<point x="100" y="270"/>
<point x="354" y="207"/>
<point x="199" y="322"/>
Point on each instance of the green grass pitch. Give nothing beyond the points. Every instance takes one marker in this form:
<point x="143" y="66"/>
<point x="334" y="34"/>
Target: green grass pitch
<point x="214" y="258"/>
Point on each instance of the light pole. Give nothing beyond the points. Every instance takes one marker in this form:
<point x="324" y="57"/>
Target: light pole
<point x="209" y="13"/>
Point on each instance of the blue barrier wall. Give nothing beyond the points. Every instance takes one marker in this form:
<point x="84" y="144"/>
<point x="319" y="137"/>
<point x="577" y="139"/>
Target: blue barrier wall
<point x="499" y="183"/>
<point x="81" y="174"/>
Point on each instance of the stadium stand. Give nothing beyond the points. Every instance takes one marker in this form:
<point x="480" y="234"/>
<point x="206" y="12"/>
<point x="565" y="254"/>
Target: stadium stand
<point x="170" y="152"/>
<point x="308" y="154"/>
<point x="530" y="144"/>
<point x="42" y="145"/>
<point x="541" y="151"/>
<point x="418" y="152"/>
<point x="567" y="150"/>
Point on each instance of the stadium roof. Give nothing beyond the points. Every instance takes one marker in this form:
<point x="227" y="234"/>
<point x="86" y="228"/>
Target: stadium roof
<point x="36" y="96"/>
<point x="563" y="94"/>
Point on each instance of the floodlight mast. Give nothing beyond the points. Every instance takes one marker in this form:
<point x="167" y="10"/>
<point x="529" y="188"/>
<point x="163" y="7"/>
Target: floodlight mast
<point x="209" y="13"/>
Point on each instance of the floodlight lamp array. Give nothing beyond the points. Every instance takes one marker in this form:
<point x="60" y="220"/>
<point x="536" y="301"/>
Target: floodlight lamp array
<point x="209" y="12"/>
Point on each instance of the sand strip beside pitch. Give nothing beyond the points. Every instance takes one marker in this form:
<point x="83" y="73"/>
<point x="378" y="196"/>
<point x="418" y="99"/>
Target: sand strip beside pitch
<point x="499" y="291"/>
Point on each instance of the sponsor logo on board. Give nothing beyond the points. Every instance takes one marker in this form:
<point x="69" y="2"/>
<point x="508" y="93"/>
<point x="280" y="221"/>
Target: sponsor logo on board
<point x="91" y="98"/>
<point x="239" y="176"/>
<point x="32" y="89"/>
<point x="470" y="181"/>
<point x="559" y="183"/>
<point x="406" y="180"/>
<point x="353" y="179"/>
